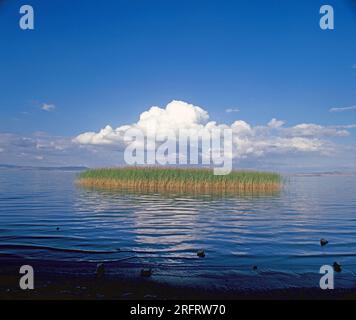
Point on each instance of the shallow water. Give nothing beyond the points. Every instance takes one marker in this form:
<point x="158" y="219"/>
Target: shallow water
<point x="279" y="233"/>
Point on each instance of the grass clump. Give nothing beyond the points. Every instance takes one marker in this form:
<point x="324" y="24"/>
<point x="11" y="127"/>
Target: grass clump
<point x="179" y="179"/>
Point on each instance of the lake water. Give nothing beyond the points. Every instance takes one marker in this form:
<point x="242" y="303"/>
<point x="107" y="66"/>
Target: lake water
<point x="45" y="216"/>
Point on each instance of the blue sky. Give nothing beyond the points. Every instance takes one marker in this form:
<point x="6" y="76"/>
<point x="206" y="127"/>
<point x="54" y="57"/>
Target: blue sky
<point x="106" y="62"/>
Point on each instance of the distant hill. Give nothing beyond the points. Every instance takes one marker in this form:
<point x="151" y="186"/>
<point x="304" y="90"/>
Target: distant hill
<point x="331" y="173"/>
<point x="65" y="168"/>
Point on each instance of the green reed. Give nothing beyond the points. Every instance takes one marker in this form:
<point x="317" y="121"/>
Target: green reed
<point x="178" y="178"/>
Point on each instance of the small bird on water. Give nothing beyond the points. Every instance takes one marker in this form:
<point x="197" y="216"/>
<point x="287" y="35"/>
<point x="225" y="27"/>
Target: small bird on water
<point x="201" y="253"/>
<point x="100" y="270"/>
<point x="323" y="242"/>
<point x="337" y="267"/>
<point x="146" y="272"/>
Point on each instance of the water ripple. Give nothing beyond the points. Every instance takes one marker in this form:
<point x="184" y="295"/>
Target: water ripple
<point x="44" y="215"/>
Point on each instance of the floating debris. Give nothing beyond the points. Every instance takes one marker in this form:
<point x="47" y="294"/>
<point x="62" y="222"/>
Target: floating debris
<point x="100" y="270"/>
<point x="323" y="242"/>
<point x="201" y="253"/>
<point x="337" y="267"/>
<point x="146" y="272"/>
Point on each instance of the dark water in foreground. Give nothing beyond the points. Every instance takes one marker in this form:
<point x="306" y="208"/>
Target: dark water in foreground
<point x="279" y="233"/>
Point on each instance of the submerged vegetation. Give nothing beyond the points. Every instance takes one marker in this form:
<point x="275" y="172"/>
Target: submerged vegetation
<point x="179" y="179"/>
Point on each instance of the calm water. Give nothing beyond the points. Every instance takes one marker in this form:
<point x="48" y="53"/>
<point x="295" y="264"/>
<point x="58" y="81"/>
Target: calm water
<point x="279" y="233"/>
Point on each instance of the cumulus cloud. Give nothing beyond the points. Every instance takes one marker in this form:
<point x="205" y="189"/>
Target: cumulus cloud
<point x="176" y="115"/>
<point x="342" y="109"/>
<point x="48" y="107"/>
<point x="248" y="140"/>
<point x="267" y="146"/>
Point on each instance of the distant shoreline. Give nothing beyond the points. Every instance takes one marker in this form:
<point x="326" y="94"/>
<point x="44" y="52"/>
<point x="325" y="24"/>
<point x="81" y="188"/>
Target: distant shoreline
<point x="84" y="168"/>
<point x="326" y="174"/>
<point x="63" y="168"/>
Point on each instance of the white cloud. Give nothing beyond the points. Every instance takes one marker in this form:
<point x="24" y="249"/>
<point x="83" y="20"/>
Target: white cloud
<point x="274" y="123"/>
<point x="272" y="146"/>
<point x="342" y="109"/>
<point x="52" y="151"/>
<point x="176" y="115"/>
<point x="314" y="130"/>
<point x="346" y="126"/>
<point x="48" y="107"/>
<point x="248" y="141"/>
<point x="230" y="110"/>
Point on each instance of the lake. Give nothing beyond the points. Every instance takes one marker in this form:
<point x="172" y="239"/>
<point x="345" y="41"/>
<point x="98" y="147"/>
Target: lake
<point x="46" y="217"/>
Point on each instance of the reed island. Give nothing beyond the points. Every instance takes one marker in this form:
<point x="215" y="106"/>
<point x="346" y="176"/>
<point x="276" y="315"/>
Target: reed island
<point x="178" y="180"/>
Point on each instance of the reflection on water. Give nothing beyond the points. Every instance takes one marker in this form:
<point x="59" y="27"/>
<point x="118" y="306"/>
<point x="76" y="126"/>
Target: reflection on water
<point x="215" y="194"/>
<point x="45" y="216"/>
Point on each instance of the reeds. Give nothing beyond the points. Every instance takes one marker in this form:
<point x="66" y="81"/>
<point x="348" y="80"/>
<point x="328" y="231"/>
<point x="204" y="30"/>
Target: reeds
<point x="179" y="180"/>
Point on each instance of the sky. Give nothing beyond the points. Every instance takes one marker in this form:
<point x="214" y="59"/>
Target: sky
<point x="92" y="64"/>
